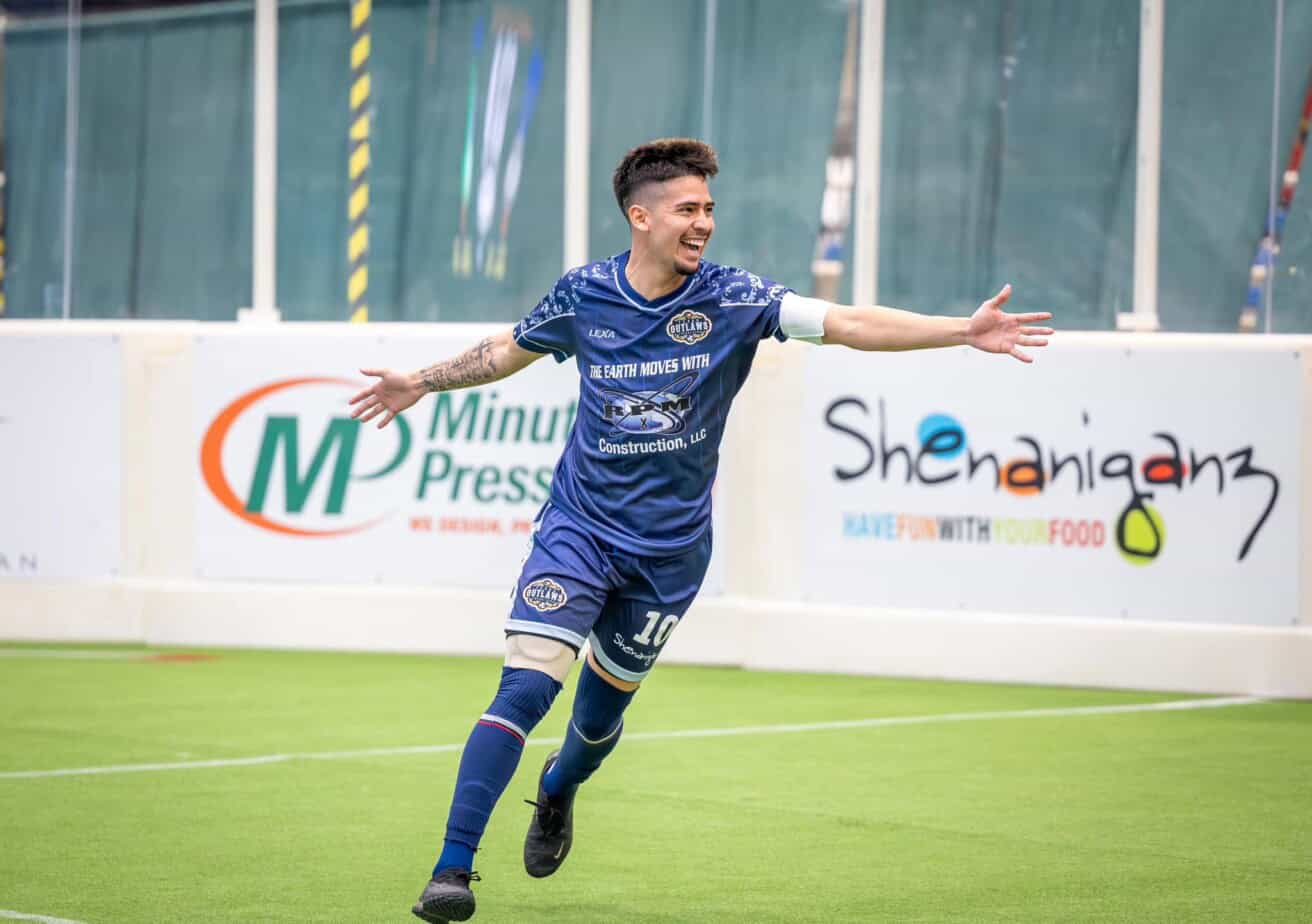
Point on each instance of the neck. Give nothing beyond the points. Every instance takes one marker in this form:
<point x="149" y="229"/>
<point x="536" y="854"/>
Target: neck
<point x="648" y="278"/>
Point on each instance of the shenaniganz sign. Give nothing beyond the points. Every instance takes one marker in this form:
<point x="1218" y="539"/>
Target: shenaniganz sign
<point x="936" y="452"/>
<point x="1158" y="483"/>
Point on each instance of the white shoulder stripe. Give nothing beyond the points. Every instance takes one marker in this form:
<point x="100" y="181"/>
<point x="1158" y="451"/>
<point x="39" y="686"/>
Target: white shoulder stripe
<point x="546" y="347"/>
<point x="554" y="317"/>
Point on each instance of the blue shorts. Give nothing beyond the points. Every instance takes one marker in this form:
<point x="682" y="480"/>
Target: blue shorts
<point x="574" y="588"/>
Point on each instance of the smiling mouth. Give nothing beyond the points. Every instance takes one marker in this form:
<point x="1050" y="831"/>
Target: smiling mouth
<point x="694" y="247"/>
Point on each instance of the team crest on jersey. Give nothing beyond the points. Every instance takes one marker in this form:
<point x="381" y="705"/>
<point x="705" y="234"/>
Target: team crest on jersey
<point x="545" y="595"/>
<point x="688" y="327"/>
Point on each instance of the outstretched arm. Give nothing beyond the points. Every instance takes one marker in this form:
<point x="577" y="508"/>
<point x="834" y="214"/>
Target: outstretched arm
<point x="989" y="329"/>
<point x="490" y="360"/>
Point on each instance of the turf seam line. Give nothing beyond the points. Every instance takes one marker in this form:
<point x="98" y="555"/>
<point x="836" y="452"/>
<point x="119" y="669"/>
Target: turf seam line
<point x="1056" y="712"/>
<point x="39" y="918"/>
<point x="73" y="654"/>
<point x="1175" y="705"/>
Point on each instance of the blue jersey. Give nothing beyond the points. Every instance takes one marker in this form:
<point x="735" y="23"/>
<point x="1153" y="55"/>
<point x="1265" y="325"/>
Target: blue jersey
<point x="656" y="379"/>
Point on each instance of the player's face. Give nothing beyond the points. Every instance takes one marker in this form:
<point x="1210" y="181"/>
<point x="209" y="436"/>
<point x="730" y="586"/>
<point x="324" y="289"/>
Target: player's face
<point x="682" y="222"/>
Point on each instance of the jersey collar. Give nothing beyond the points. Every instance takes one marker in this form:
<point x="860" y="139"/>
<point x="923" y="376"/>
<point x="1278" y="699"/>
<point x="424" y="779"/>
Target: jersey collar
<point x="637" y="301"/>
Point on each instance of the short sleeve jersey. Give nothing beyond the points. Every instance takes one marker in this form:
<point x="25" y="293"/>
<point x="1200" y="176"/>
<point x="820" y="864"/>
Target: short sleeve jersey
<point x="656" y="379"/>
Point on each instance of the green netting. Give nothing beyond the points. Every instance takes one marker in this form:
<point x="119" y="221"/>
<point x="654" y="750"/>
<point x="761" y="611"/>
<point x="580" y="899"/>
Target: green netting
<point x="162" y="225"/>
<point x="1218" y="71"/>
<point x="639" y="92"/>
<point x="1008" y="155"/>
<point x="774" y="94"/>
<point x="163" y="222"/>
<point x="34" y="187"/>
<point x="421" y="67"/>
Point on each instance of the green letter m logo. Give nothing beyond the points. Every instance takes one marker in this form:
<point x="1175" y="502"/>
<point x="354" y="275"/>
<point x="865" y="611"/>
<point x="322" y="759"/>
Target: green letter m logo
<point x="282" y="431"/>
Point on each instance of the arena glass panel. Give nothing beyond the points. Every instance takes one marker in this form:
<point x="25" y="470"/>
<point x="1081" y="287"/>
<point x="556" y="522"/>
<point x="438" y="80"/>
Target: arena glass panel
<point x="162" y="167"/>
<point x="1217" y="82"/>
<point x="771" y="118"/>
<point x="1008" y="156"/>
<point x="465" y="163"/>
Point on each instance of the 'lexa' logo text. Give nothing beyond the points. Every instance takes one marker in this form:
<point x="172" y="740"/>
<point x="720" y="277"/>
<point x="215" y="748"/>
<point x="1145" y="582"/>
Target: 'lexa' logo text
<point x="1140" y="530"/>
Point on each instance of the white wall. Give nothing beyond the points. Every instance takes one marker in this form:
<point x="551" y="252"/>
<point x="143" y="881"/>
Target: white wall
<point x="763" y="620"/>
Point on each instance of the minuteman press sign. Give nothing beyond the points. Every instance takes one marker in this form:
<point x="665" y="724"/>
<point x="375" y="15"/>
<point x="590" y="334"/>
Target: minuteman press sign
<point x="292" y="488"/>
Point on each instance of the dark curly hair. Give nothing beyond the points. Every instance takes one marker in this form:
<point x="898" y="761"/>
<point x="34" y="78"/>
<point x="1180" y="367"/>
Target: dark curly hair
<point x="660" y="160"/>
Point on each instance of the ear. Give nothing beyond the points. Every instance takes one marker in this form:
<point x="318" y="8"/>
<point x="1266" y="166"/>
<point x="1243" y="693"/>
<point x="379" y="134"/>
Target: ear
<point x="639" y="217"/>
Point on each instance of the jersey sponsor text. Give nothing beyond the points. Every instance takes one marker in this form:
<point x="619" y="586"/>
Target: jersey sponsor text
<point x="641" y="448"/>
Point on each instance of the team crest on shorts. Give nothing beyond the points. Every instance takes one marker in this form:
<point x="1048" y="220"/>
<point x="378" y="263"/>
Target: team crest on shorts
<point x="688" y="327"/>
<point x="545" y="595"/>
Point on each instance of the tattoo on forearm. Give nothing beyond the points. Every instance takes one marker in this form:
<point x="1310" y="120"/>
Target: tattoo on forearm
<point x="475" y="366"/>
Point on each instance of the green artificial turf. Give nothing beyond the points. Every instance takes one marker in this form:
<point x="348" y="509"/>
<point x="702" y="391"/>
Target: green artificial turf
<point x="1183" y="816"/>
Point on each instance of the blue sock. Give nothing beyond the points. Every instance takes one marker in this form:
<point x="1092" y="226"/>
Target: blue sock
<point x="594" y="730"/>
<point x="490" y="758"/>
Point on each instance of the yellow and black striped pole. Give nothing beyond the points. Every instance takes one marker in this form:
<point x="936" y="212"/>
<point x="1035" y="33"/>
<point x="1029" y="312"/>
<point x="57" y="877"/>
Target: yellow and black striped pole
<point x="357" y="244"/>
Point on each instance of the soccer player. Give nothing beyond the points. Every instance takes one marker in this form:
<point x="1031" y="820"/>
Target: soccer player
<point x="663" y="339"/>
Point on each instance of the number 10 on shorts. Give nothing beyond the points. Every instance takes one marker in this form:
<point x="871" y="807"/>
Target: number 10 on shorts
<point x="666" y="627"/>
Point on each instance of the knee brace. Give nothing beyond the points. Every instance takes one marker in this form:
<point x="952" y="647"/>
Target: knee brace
<point x="540" y="654"/>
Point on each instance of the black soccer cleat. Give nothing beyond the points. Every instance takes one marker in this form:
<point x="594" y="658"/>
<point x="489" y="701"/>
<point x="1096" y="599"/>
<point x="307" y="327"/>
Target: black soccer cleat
<point x="447" y="897"/>
<point x="551" y="830"/>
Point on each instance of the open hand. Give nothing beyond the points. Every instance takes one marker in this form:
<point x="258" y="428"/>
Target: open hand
<point x="389" y="396"/>
<point x="994" y="331"/>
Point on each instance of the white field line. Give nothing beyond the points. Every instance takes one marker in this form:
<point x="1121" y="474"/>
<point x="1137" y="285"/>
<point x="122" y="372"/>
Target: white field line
<point x="1167" y="706"/>
<point x="41" y="918"/>
<point x="76" y="654"/>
